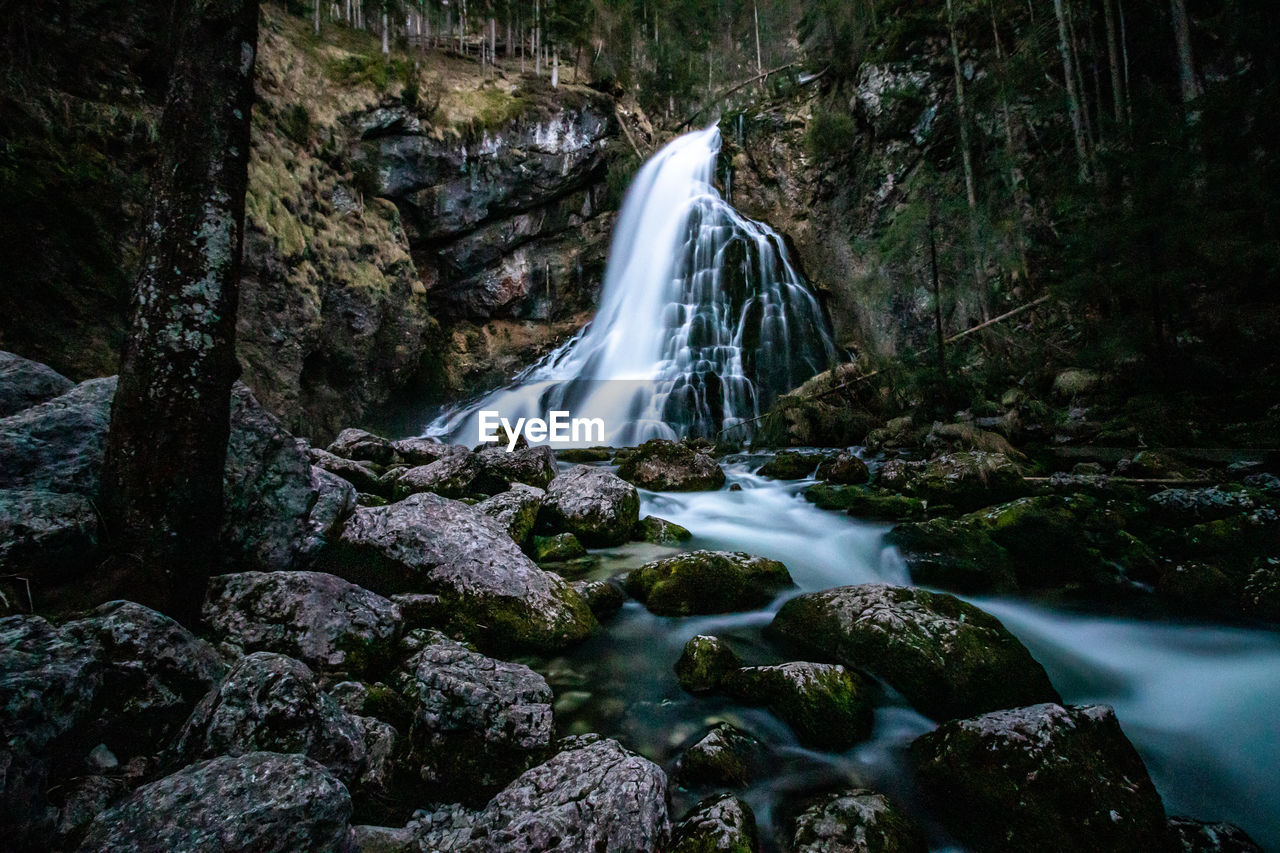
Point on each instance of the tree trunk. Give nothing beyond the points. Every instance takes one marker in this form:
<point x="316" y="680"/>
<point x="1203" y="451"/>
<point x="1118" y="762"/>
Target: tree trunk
<point x="966" y="155"/>
<point x="317" y="17"/>
<point x="1186" y="64"/>
<point x="1073" y="100"/>
<point x="166" y="447"/>
<point x="386" y="30"/>
<point x="755" y="11"/>
<point x="937" y="297"/>
<point x="1113" y="58"/>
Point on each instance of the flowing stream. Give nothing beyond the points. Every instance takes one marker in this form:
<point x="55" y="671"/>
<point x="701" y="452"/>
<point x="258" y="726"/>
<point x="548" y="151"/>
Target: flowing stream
<point x="1198" y="700"/>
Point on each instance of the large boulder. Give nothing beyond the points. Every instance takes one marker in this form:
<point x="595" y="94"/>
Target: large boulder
<point x="361" y="475"/>
<point x="953" y="555"/>
<point x="25" y="383"/>
<point x="965" y="481"/>
<point x="419" y="451"/>
<point x="843" y="469"/>
<point x="593" y="504"/>
<point x="1193" y="836"/>
<point x="826" y="705"/>
<point x="271" y="703"/>
<point x="363" y="446"/>
<point x="948" y="658"/>
<point x="855" y="821"/>
<point x="335" y="500"/>
<point x="704" y="664"/>
<point x="320" y="619"/>
<point x="707" y="582"/>
<point x="724" y="757"/>
<point x="1043" y="777"/>
<point x="516" y="510"/>
<point x="659" y="531"/>
<point x="260" y="801"/>
<point x="57" y="446"/>
<point x="719" y="823"/>
<point x="453" y="475"/>
<point x="790" y="465"/>
<point x="477" y="723"/>
<point x="487" y="588"/>
<point x="46" y="536"/>
<point x="533" y="466"/>
<point x="671" y="466"/>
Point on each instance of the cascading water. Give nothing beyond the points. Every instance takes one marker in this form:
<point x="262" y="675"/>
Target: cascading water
<point x="703" y="319"/>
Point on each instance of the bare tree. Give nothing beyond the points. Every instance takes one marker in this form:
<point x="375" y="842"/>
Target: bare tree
<point x="1186" y="64"/>
<point x="1073" y="99"/>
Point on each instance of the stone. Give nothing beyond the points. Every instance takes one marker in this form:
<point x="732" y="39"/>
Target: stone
<point x="279" y="802"/>
<point x="419" y="451"/>
<point x="533" y="466"/>
<point x="488" y="589"/>
<point x="949" y="438"/>
<point x="1193" y="836"/>
<point x="790" y="465"/>
<point x="707" y="582"/>
<point x="556" y="548"/>
<point x="724" y="757"/>
<point x="477" y="723"/>
<point x="947" y="657"/>
<point x="604" y="597"/>
<point x="862" y="502"/>
<point x="826" y="705"/>
<point x="1042" y="777"/>
<point x="47" y="536"/>
<point x="593" y="504"/>
<point x="1075" y="382"/>
<point x="25" y="383"/>
<point x="1192" y="506"/>
<point x="719" y="823"/>
<point x="965" y="481"/>
<point x="320" y="619"/>
<point x="57" y="446"/>
<point x="359" y="474"/>
<point x="450" y="476"/>
<point x="855" y="821"/>
<point x="383" y="839"/>
<point x="659" y="531"/>
<point x="843" y="469"/>
<point x="954" y="556"/>
<point x="669" y="466"/>
<point x="362" y="446"/>
<point x="704" y="663"/>
<point x="516" y="509"/>
<point x="335" y="500"/>
<point x="579" y="455"/>
<point x="1261" y="595"/>
<point x="271" y="703"/>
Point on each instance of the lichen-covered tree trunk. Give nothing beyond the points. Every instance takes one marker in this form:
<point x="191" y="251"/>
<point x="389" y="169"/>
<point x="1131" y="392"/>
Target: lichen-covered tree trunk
<point x="162" y="483"/>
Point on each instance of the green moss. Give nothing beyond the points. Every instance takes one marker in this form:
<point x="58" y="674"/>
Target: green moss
<point x="660" y="531"/>
<point x="955" y="555"/>
<point x="864" y="502"/>
<point x="829" y="707"/>
<point x="555" y="548"/>
<point x="707" y="582"/>
<point x="704" y="663"/>
<point x="789" y="465"/>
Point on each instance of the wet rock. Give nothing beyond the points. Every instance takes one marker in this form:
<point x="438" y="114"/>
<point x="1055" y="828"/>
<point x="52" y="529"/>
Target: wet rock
<point x="965" y="481"/>
<point x="46" y="536"/>
<point x="843" y="469"/>
<point x="335" y="500"/>
<point x="555" y="548"/>
<point x="25" y="383"/>
<point x="279" y="802"/>
<point x="1191" y="506"/>
<point x="271" y="703"/>
<point x="789" y="465"/>
<point x="670" y="466"/>
<point x="1195" y="587"/>
<point x="827" y="706"/>
<point x="1154" y="465"/>
<point x="1261" y="595"/>
<point x="953" y="555"/>
<point x="603" y="597"/>
<point x="362" y="446"/>
<point x="383" y="839"/>
<point x="359" y="474"/>
<point x="896" y="100"/>
<point x="1193" y="836"/>
<point x="533" y="466"/>
<point x="57" y="446"/>
<point x="419" y="451"/>
<point x="320" y="619"/>
<point x="947" y="657"/>
<point x="83" y="800"/>
<point x="1268" y="483"/>
<point x="707" y="582"/>
<point x="855" y="821"/>
<point x="718" y="823"/>
<point x="1043" y="777"/>
<point x="704" y="663"/>
<point x="477" y="722"/>
<point x="580" y="455"/>
<point x="516" y="509"/>
<point x="488" y="589"/>
<point x="593" y="504"/>
<point x="724" y="757"/>
<point x="862" y="502"/>
<point x="659" y="531"/>
<point x="451" y="476"/>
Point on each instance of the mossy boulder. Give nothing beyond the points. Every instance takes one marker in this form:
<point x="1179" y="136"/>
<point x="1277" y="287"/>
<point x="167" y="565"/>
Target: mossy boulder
<point x="593" y="504"/>
<point x="707" y="582"/>
<point x="1041" y="778"/>
<point x="671" y="466"/>
<point x="966" y="436"/>
<point x="516" y="509"/>
<point x="863" y="502"/>
<point x="555" y="548"/>
<point x="826" y="705"/>
<point x="659" y="531"/>
<point x="953" y="555"/>
<point x="790" y="465"/>
<point x="1048" y="537"/>
<point x="580" y="455"/>
<point x="725" y="757"/>
<point x="947" y="657"/>
<point x="855" y="821"/>
<point x="603" y="597"/>
<point x="843" y="469"/>
<point x="965" y="481"/>
<point x="362" y="446"/>
<point x="719" y="824"/>
<point x="704" y="663"/>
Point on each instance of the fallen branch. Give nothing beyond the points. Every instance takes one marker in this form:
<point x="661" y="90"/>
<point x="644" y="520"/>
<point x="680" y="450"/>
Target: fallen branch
<point x="617" y="112"/>
<point x="720" y="96"/>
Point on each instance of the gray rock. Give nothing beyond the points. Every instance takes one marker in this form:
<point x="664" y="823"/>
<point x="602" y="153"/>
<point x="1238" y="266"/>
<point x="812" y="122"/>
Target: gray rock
<point x="843" y="469"/>
<point x="704" y="663"/>
<point x="419" y="451"/>
<point x="516" y="509"/>
<point x="721" y="823"/>
<point x="556" y="548"/>
<point x="1191" y="506"/>
<point x="660" y="531"/>
<point x="451" y="476"/>
<point x="1043" y="777"/>
<point x="335" y="500"/>
<point x="855" y="821"/>
<point x="707" y="582"/>
<point x="260" y="801"/>
<point x="25" y="383"/>
<point x="671" y="466"/>
<point x="490" y="589"/>
<point x="48" y="681"/>
<point x="271" y="703"/>
<point x="363" y="446"/>
<point x="593" y="504"/>
<point x="947" y="657"/>
<point x="533" y="466"/>
<point x="827" y="706"/>
<point x="57" y="446"/>
<point x="359" y="474"/>
<point x="48" y="536"/>
<point x="966" y="481"/>
<point x="320" y="619"/>
<point x="604" y="597"/>
<point x="1193" y="836"/>
<point x="384" y="839"/>
<point x="724" y="757"/>
<point x="477" y="722"/>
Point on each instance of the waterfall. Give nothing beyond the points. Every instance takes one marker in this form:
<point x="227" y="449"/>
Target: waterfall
<point x="703" y="319"/>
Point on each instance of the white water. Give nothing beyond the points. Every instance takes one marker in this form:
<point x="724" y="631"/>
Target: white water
<point x="703" y="318"/>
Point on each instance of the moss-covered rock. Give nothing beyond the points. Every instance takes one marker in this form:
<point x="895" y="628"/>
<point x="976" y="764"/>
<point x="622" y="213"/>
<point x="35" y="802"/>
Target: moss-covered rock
<point x="579" y="455"/>
<point x="855" y="821"/>
<point x="863" y="502"/>
<point x="1041" y="778"/>
<point x="947" y="657"/>
<point x="671" y="466"/>
<point x="707" y="582"/>
<point x="826" y="705"/>
<point x="725" y="757"/>
<point x="555" y="548"/>
<point x="966" y="481"/>
<point x="704" y="663"/>
<point x="953" y="555"/>
<point x="719" y="824"/>
<point x="1261" y="595"/>
<point x="789" y="465"/>
<point x="659" y="531"/>
<point x="843" y="469"/>
<point x="966" y="436"/>
<point x="593" y="504"/>
<point x="603" y="597"/>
